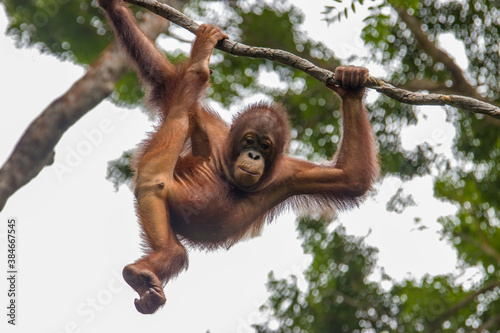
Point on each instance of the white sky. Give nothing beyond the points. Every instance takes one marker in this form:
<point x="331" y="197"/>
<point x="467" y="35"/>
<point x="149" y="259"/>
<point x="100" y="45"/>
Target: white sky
<point x="76" y="233"/>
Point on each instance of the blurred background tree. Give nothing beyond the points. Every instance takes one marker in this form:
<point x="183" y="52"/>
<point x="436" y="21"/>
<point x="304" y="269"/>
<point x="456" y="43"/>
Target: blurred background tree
<point x="403" y="37"/>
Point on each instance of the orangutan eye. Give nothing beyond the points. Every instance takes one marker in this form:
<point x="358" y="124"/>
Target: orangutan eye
<point x="250" y="141"/>
<point x="264" y="146"/>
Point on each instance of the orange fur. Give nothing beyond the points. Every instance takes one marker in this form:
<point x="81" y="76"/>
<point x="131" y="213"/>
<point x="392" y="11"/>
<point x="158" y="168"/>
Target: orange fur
<point x="201" y="183"/>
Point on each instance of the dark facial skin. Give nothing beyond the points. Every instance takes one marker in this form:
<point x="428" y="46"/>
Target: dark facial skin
<point x="250" y="164"/>
<point x="194" y="202"/>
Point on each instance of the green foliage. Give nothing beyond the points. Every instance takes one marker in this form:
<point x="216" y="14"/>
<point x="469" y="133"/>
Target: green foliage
<point x="474" y="23"/>
<point x="341" y="9"/>
<point x="119" y="170"/>
<point x="423" y="304"/>
<point x="399" y="202"/>
<point x="388" y="118"/>
<point x="473" y="183"/>
<point x="334" y="13"/>
<point x="434" y="304"/>
<point x="312" y="107"/>
<point x="76" y="30"/>
<point x="68" y="29"/>
<point x="129" y="92"/>
<point x="339" y="298"/>
<point x="393" y="43"/>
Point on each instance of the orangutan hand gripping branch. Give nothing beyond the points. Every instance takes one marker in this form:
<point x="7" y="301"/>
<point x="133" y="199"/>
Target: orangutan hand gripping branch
<point x="202" y="183"/>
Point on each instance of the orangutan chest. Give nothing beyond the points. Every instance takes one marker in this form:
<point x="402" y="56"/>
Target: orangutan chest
<point x="209" y="213"/>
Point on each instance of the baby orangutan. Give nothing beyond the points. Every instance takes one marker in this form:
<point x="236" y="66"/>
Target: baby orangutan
<point x="205" y="184"/>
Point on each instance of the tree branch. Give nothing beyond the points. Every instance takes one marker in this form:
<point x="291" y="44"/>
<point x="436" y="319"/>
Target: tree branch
<point x="488" y="324"/>
<point x="322" y="75"/>
<point x="35" y="149"/>
<point x="428" y="85"/>
<point x="483" y="245"/>
<point x="437" y="322"/>
<point x="459" y="82"/>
